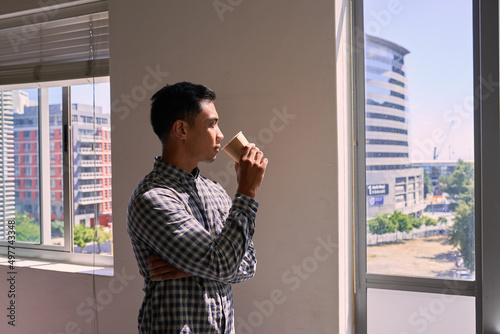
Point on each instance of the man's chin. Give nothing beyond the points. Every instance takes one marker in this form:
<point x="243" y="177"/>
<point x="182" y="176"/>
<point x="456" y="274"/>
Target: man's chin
<point x="210" y="160"/>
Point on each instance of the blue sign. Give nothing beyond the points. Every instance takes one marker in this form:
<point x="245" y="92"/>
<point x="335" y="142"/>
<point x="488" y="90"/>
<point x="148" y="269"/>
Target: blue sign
<point x="376" y="200"/>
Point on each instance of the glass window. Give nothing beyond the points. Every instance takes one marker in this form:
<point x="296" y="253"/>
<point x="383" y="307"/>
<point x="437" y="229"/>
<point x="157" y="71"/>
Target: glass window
<point x="417" y="229"/>
<point x="88" y="162"/>
<point x="41" y="125"/>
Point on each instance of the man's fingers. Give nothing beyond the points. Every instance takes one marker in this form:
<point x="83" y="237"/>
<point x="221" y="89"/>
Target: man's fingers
<point x="153" y="257"/>
<point x="166" y="273"/>
<point x="170" y="275"/>
<point x="162" y="270"/>
<point x="158" y="263"/>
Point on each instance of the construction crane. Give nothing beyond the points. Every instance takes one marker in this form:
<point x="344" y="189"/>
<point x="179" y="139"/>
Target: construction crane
<point x="437" y="153"/>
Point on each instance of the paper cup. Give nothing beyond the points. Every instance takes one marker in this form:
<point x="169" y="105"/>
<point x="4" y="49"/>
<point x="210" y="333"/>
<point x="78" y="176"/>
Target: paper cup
<point x="235" y="146"/>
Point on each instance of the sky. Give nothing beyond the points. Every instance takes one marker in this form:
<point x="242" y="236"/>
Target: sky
<point x="79" y="94"/>
<point x="438" y="34"/>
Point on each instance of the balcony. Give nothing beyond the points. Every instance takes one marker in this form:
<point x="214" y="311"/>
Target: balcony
<point x="87" y="176"/>
<point x="88" y="139"/>
<point x="90" y="200"/>
<point x="90" y="187"/>
<point x="90" y="163"/>
<point x="89" y="150"/>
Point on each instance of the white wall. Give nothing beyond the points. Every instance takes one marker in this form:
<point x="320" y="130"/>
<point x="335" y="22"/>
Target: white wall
<point x="272" y="65"/>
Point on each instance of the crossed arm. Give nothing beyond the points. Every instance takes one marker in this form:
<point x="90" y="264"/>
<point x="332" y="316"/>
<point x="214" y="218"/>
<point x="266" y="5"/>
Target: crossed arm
<point x="161" y="270"/>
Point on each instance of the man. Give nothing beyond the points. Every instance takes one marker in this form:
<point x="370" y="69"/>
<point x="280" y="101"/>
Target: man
<point x="191" y="241"/>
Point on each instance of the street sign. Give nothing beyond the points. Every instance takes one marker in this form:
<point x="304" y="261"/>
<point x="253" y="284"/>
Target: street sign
<point x="377" y="189"/>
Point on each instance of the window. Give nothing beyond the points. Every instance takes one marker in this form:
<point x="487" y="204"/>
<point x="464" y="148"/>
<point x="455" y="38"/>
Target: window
<point x="424" y="211"/>
<point x="59" y="90"/>
<point x="47" y="105"/>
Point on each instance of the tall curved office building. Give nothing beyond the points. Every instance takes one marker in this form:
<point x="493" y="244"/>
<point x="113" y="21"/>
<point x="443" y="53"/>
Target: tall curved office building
<point x="392" y="184"/>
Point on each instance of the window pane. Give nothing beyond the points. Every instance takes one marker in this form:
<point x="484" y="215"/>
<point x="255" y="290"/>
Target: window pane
<point x="21" y="134"/>
<point x="410" y="312"/>
<point x="419" y="138"/>
<point x="56" y="166"/>
<point x="91" y="167"/>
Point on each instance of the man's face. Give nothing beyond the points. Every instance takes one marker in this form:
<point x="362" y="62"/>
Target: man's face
<point x="204" y="137"/>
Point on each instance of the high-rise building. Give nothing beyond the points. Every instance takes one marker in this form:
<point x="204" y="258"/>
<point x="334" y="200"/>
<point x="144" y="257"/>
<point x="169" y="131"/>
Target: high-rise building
<point x="392" y="183"/>
<point x="7" y="210"/>
<point x="91" y="161"/>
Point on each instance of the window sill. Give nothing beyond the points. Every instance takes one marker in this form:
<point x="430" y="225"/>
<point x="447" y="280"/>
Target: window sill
<point x="58" y="266"/>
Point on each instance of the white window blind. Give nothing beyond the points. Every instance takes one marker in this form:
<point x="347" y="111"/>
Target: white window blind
<point x="45" y="47"/>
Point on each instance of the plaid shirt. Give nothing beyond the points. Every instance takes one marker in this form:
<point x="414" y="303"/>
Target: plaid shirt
<point x="191" y="223"/>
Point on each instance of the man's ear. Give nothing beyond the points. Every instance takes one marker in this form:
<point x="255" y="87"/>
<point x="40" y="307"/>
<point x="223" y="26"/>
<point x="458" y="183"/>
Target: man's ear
<point x="180" y="129"/>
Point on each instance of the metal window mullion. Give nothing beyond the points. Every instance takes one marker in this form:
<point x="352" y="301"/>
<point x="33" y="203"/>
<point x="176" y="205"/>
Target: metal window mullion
<point x="359" y="165"/>
<point x="487" y="105"/>
<point x="67" y="169"/>
<point x="44" y="165"/>
<point x="421" y="284"/>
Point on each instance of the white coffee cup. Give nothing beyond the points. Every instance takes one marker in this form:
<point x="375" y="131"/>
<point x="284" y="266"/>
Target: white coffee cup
<point x="234" y="147"/>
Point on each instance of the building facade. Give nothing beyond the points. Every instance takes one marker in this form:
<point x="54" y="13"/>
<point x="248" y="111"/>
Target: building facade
<point x="91" y="164"/>
<point x="391" y="181"/>
<point x="7" y="200"/>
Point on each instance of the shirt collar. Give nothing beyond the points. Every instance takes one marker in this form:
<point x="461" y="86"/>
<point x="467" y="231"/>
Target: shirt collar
<point x="173" y="172"/>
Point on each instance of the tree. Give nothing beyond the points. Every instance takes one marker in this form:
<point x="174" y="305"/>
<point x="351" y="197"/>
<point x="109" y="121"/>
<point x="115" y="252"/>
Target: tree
<point x="428" y="221"/>
<point x="27" y="229"/>
<point x="102" y="237"/>
<point x="442" y="220"/>
<point x="417" y="222"/>
<point x="82" y="235"/>
<point x="402" y="222"/>
<point x="462" y="233"/>
<point x="460" y="182"/>
<point x="381" y="225"/>
<point x="57" y="228"/>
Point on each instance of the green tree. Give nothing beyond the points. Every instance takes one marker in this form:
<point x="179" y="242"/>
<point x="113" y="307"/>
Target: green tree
<point x="462" y="233"/>
<point x="57" y="228"/>
<point x="442" y="220"/>
<point x="101" y="237"/>
<point x="27" y="229"/>
<point x="417" y="222"/>
<point x="402" y="222"/>
<point x="82" y="235"/>
<point x="381" y="224"/>
<point x="460" y="182"/>
<point x="428" y="221"/>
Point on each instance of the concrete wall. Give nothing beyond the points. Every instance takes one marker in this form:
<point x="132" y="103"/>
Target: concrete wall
<point x="272" y="65"/>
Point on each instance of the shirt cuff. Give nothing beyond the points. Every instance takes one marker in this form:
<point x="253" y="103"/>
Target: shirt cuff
<point x="245" y="204"/>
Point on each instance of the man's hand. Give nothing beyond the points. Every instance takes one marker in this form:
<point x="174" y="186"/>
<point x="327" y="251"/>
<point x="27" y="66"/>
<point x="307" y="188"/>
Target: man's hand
<point x="250" y="170"/>
<point x="160" y="270"/>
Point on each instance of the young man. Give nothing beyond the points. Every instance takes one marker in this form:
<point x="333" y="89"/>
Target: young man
<point x="191" y="241"/>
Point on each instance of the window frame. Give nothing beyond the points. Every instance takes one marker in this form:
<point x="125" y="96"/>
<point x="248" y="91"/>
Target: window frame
<point x="43" y="251"/>
<point x="487" y="139"/>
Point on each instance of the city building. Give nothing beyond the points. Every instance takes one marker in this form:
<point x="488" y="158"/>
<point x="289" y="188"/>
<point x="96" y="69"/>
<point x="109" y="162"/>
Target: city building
<point x="392" y="183"/>
<point x="7" y="210"/>
<point x="91" y="160"/>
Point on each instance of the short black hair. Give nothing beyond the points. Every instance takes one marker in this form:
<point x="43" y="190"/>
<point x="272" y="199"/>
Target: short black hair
<point x="180" y="101"/>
